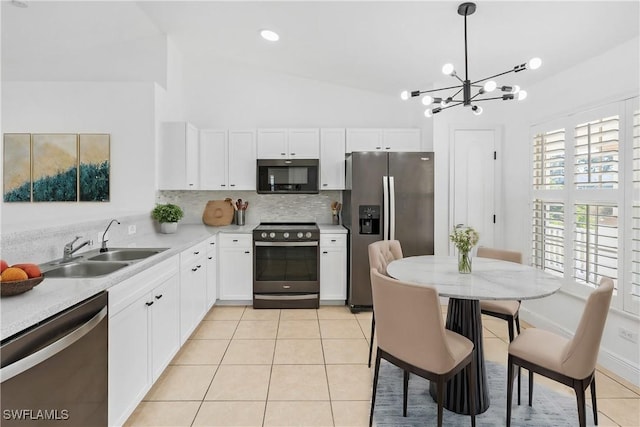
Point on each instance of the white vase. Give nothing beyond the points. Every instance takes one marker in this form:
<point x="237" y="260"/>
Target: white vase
<point x="168" y="227"/>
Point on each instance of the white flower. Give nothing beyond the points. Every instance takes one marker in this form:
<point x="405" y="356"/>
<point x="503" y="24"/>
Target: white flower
<point x="464" y="238"/>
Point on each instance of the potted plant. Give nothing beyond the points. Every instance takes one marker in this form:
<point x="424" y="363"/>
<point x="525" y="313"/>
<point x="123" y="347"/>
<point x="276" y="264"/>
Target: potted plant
<point x="168" y="216"/>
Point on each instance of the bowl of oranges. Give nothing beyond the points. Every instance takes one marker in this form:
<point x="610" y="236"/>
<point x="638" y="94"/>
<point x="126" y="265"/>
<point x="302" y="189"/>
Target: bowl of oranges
<point x="18" y="278"/>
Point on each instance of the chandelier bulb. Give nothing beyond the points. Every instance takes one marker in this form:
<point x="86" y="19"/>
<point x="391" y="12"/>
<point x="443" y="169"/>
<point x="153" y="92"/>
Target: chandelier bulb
<point x="535" y="63"/>
<point x="427" y="100"/>
<point x="448" y="69"/>
<point x="404" y="95"/>
<point x="522" y="95"/>
<point x="477" y="110"/>
<point x="428" y="113"/>
<point x="515" y="89"/>
<point x="490" y="86"/>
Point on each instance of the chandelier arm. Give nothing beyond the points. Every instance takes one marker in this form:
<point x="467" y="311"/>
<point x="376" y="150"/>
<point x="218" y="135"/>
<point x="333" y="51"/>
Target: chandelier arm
<point x="451" y="105"/>
<point x="420" y="92"/>
<point x="490" y="99"/>
<point x="495" y="75"/>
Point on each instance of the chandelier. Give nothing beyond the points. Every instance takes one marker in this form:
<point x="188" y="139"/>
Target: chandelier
<point x="484" y="86"/>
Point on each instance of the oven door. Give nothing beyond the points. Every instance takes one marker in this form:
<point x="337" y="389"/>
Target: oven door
<point x="286" y="267"/>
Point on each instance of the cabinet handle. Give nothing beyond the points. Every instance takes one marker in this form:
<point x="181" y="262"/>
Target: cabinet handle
<point x="223" y="185"/>
<point x="378" y="148"/>
<point x="233" y="185"/>
<point x="324" y="185"/>
<point x="196" y="252"/>
<point x="194" y="269"/>
<point x="235" y="240"/>
<point x="149" y="303"/>
<point x="158" y="296"/>
<point x="247" y="252"/>
<point x="283" y="154"/>
<point x="286" y="286"/>
<point x="199" y="265"/>
<point x="210" y="257"/>
<point x="325" y="252"/>
<point x="212" y="243"/>
<point x="333" y="240"/>
<point x="190" y="185"/>
<point x="387" y="148"/>
<point x="293" y="154"/>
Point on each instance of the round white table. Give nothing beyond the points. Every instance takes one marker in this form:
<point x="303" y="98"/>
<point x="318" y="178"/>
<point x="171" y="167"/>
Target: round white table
<point x="490" y="279"/>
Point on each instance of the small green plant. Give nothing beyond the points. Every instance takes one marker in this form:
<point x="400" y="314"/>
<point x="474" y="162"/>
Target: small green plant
<point x="167" y="213"/>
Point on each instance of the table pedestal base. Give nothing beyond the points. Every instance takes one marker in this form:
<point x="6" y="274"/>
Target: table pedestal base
<point x="463" y="317"/>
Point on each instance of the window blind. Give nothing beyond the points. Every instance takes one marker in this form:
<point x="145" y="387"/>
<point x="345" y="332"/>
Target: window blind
<point x="548" y="160"/>
<point x="596" y="153"/>
<point x="548" y="236"/>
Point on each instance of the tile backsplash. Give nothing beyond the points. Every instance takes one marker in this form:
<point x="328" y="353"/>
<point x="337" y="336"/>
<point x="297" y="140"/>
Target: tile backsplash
<point x="262" y="207"/>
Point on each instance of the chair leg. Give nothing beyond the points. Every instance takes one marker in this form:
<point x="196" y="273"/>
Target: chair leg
<point x="579" y="387"/>
<point x="405" y="390"/>
<point x="593" y="399"/>
<point x="509" y="389"/>
<point x="440" y="395"/>
<point x="471" y="380"/>
<point x="517" y="319"/>
<point x="373" y="330"/>
<point x="510" y="323"/>
<point x="519" y="383"/>
<point x="375" y="386"/>
<point x="530" y="387"/>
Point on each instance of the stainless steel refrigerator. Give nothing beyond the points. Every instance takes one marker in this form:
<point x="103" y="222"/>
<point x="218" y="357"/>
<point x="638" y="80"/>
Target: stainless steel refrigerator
<point x="389" y="196"/>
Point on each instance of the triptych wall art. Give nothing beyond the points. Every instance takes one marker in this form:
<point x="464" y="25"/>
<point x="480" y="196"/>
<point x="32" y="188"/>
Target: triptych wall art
<point x="56" y="167"/>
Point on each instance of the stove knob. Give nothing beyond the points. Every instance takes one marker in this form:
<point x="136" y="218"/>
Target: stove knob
<point x="300" y="235"/>
<point x="285" y="235"/>
<point x="308" y="235"/>
<point x="272" y="235"/>
<point x="263" y="235"/>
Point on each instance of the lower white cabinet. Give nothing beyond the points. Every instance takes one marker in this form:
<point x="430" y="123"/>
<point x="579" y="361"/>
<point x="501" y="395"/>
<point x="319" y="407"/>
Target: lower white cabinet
<point x="193" y="289"/>
<point x="143" y="335"/>
<point x="333" y="267"/>
<point x="212" y="272"/>
<point x="235" y="266"/>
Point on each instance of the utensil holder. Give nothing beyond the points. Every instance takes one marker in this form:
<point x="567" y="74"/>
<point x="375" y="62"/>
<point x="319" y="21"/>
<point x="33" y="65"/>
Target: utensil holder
<point x="335" y="219"/>
<point x="240" y="217"/>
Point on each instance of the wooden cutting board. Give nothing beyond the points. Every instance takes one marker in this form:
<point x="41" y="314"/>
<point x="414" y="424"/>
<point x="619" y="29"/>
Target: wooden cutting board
<point x="218" y="212"/>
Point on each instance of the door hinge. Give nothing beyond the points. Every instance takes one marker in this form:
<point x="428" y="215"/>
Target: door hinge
<point x="494" y="219"/>
<point x="495" y="155"/>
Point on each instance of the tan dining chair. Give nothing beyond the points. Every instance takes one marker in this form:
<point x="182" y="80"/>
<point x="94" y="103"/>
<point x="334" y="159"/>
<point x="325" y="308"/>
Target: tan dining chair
<point x="412" y="336"/>
<point x="380" y="255"/>
<point x="505" y="310"/>
<point x="571" y="362"/>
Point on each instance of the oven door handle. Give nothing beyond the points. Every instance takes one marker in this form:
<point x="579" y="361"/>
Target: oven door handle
<point x="286" y="243"/>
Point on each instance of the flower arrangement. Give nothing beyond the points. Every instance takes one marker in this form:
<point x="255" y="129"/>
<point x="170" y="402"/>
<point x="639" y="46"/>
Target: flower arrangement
<point x="464" y="238"/>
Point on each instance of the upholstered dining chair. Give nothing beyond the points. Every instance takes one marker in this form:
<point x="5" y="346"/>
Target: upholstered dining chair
<point x="570" y="362"/>
<point x="380" y="255"/>
<point x="412" y="336"/>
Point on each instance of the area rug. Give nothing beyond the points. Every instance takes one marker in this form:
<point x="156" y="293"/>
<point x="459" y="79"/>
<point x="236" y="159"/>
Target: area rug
<point x="550" y="408"/>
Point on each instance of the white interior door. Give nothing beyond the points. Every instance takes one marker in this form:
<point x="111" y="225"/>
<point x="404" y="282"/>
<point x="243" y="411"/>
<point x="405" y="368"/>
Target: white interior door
<point x="473" y="181"/>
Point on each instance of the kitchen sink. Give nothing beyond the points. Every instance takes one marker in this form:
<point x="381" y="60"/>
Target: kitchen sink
<point x="84" y="269"/>
<point x="126" y="254"/>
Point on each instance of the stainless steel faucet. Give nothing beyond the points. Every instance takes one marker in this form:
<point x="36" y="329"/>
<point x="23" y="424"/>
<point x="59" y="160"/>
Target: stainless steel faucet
<point x="70" y="250"/>
<point x="104" y="248"/>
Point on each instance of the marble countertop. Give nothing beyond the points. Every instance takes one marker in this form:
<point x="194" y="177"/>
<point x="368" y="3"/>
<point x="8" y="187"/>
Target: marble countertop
<point x="331" y="228"/>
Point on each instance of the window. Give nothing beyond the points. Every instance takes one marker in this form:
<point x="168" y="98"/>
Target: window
<point x="635" y="255"/>
<point x="548" y="237"/>
<point x="548" y="160"/>
<point x="596" y="153"/>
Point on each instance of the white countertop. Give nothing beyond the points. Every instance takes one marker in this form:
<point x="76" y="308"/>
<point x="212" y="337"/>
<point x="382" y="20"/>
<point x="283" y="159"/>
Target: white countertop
<point x="331" y="228"/>
<point x="491" y="279"/>
<point x="56" y="294"/>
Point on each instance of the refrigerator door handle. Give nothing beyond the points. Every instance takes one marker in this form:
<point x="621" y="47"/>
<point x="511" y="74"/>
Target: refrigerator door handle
<point x="392" y="209"/>
<point x="385" y="207"/>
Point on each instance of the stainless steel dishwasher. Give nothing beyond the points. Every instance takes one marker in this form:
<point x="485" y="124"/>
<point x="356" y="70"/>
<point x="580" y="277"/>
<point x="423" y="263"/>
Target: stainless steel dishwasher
<point x="56" y="372"/>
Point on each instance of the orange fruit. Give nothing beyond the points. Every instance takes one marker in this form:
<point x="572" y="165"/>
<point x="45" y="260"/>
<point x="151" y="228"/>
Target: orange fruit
<point x="32" y="270"/>
<point x="12" y="274"/>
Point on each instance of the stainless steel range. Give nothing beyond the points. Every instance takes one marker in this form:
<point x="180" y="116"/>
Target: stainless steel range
<point x="286" y="265"/>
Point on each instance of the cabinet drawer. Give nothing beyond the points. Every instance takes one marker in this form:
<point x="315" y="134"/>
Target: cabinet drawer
<point x="333" y="240"/>
<point x="235" y="240"/>
<point x="189" y="255"/>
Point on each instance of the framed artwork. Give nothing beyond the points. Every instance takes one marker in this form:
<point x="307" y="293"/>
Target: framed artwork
<point x="17" y="167"/>
<point x="54" y="167"/>
<point x="94" y="167"/>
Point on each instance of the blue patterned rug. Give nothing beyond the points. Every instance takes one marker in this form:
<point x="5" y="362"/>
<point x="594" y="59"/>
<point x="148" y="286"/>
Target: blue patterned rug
<point x="549" y="407"/>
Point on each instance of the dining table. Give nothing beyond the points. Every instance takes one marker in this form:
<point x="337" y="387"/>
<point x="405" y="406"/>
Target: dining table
<point x="490" y="279"/>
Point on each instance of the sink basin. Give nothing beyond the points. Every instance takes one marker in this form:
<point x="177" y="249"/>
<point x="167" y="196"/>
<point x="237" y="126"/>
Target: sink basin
<point x="85" y="269"/>
<point x="126" y="254"/>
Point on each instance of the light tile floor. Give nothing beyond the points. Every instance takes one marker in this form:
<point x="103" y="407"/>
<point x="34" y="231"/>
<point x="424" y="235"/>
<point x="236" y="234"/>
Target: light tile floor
<point x="246" y="367"/>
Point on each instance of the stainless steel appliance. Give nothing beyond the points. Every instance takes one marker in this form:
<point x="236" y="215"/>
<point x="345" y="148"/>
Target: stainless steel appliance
<point x="55" y="373"/>
<point x="286" y="265"/>
<point x="287" y="176"/>
<point x="388" y="196"/>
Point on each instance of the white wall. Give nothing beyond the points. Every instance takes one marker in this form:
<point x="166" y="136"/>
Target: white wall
<point x="612" y="76"/>
<point x="124" y="110"/>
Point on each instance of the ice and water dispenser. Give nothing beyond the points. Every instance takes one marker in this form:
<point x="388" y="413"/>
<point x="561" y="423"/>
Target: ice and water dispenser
<point x="369" y="216"/>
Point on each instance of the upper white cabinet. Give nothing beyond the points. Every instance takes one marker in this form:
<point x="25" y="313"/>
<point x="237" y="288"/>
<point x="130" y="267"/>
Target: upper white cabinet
<point x="332" y="150"/>
<point x="373" y="139"/>
<point x="178" y="157"/>
<point x="227" y="159"/>
<point x="288" y="143"/>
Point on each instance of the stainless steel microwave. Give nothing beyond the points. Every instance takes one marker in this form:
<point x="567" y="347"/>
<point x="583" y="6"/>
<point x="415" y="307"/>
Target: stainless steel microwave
<point x="288" y="176"/>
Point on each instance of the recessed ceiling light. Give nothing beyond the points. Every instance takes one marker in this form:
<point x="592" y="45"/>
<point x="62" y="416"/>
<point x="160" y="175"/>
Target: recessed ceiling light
<point x="269" y="35"/>
<point x="20" y="3"/>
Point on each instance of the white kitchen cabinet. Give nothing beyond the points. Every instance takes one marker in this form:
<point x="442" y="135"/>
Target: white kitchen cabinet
<point x="213" y="159"/>
<point x="333" y="267"/>
<point x="242" y="160"/>
<point x="193" y="289"/>
<point x="332" y="151"/>
<point x="288" y="143"/>
<point x="178" y="165"/>
<point x="235" y="254"/>
<point x="212" y="272"/>
<point x="392" y="140"/>
<point x="144" y="335"/>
